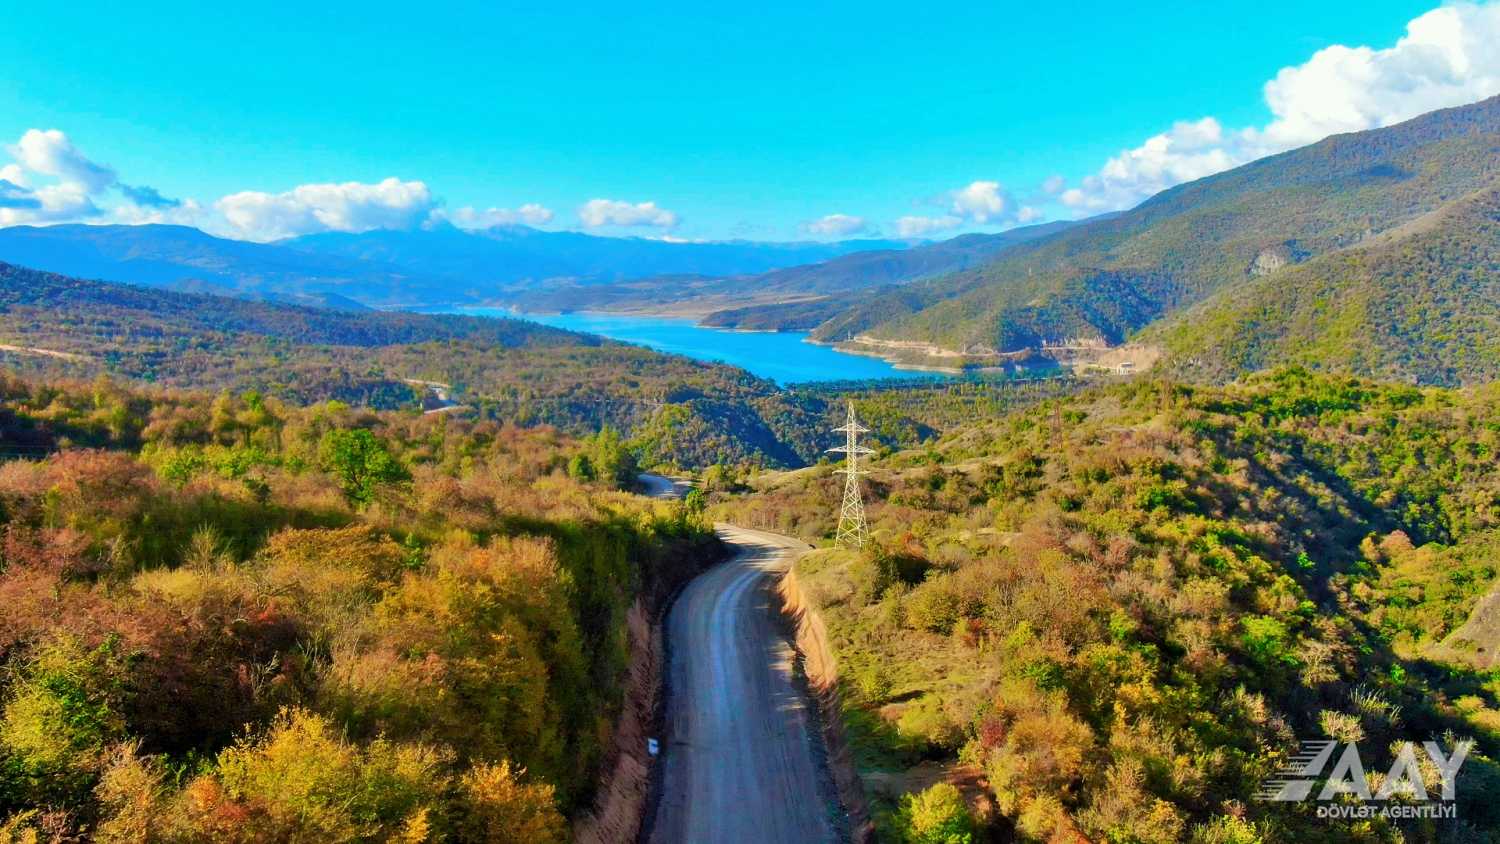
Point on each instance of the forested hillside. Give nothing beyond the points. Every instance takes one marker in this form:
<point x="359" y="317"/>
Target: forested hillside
<point x="1419" y="304"/>
<point x="1107" y="278"/>
<point x="507" y="370"/>
<point x="1114" y="615"/>
<point x="231" y="619"/>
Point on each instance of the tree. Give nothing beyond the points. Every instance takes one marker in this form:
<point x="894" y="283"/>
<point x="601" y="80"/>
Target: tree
<point x="613" y="461"/>
<point x="361" y="463"/>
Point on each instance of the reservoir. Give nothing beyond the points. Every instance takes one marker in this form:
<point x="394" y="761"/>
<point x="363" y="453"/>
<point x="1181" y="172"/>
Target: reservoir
<point x="783" y="357"/>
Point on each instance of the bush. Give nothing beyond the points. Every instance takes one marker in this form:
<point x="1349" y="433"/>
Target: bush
<point x="496" y="808"/>
<point x="58" y="720"/>
<point x="302" y="781"/>
<point x="938" y="815"/>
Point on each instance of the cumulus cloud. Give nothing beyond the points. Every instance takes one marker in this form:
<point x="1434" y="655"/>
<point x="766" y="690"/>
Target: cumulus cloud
<point x="51" y="181"/>
<point x="919" y="226"/>
<point x="50" y="153"/>
<point x="981" y="202"/>
<point x="1446" y="58"/>
<point x="614" y="212"/>
<point x="13" y="174"/>
<point x="469" y="217"/>
<point x="836" y="225"/>
<point x="344" y="207"/>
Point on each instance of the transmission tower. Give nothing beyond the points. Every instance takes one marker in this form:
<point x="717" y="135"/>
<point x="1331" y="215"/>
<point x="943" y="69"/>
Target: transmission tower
<point x="852" y="528"/>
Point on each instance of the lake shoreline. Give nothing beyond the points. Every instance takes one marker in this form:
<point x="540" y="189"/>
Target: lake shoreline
<point x="786" y="357"/>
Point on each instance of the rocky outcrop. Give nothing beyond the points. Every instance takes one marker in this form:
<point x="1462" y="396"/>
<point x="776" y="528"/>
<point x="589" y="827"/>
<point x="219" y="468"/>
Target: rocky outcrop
<point x="1272" y="258"/>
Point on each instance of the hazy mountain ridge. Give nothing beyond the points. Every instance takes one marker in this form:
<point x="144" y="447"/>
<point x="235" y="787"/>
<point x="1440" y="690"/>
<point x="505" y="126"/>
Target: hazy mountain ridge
<point x="760" y="300"/>
<point x="433" y="266"/>
<point x="522" y="256"/>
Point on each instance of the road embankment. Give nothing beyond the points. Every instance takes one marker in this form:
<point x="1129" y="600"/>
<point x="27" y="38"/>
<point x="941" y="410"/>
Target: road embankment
<point x="821" y="671"/>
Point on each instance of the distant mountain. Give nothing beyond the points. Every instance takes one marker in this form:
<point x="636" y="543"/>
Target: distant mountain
<point x="1419" y="303"/>
<point x="1106" y="279"/>
<point x="441" y="265"/>
<point x="183" y="258"/>
<point x="779" y="298"/>
<point x="519" y="257"/>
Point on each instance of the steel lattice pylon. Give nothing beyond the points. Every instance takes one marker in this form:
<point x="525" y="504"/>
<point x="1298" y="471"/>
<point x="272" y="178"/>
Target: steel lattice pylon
<point x="852" y="528"/>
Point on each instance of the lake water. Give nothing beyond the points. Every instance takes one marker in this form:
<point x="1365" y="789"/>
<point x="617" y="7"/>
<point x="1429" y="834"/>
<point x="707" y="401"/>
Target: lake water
<point x="782" y="356"/>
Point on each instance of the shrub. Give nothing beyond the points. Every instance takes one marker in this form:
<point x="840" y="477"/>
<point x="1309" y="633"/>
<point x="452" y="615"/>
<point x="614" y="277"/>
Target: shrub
<point x="59" y="718"/>
<point x="938" y="815"/>
<point x="302" y="781"/>
<point x="497" y="808"/>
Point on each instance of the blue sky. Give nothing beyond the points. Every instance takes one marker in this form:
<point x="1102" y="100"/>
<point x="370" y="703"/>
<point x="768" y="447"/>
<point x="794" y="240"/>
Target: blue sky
<point x="754" y="121"/>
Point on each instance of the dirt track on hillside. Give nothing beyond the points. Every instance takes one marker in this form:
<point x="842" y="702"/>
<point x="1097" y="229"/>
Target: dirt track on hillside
<point x="743" y="759"/>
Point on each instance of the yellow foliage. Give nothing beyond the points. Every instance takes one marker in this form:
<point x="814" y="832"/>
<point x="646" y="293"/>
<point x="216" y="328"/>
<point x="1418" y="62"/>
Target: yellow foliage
<point x="500" y="809"/>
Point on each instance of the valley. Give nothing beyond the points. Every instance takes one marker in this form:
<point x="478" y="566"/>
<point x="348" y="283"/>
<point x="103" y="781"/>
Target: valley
<point x="1020" y="504"/>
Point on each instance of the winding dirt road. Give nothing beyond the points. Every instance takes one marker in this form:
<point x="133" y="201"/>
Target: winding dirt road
<point x="742" y="761"/>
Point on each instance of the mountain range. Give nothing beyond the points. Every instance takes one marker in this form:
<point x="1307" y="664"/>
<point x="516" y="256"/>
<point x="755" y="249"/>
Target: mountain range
<point x="1108" y="278"/>
<point x="436" y="265"/>
<point x="1371" y="252"/>
<point x="808" y="290"/>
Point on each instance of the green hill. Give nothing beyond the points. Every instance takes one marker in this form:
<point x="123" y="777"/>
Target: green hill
<point x="1107" y="278"/>
<point x="1420" y="303"/>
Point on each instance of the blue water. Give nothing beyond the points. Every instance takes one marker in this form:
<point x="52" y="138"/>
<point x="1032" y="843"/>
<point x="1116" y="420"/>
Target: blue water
<point x="783" y="357"/>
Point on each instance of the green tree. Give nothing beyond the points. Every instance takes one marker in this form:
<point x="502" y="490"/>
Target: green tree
<point x="613" y="461"/>
<point x="361" y="463"/>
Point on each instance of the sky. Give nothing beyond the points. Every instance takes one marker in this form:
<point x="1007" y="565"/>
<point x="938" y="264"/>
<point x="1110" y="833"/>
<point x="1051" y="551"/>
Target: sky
<point x="769" y="121"/>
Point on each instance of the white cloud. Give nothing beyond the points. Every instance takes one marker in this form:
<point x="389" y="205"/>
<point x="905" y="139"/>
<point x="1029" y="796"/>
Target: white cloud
<point x="1187" y="151"/>
<point x="469" y="217"/>
<point x="1447" y="57"/>
<point x="982" y="202"/>
<point x="50" y="153"/>
<point x="918" y="226"/>
<point x="51" y="181"/>
<point x="187" y="212"/>
<point x="836" y="225"/>
<point x="14" y="174"/>
<point x="345" y="207"/>
<point x="614" y="212"/>
<point x="62" y="202"/>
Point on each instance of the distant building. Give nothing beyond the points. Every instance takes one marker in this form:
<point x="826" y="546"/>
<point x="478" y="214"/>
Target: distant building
<point x="1126" y="368"/>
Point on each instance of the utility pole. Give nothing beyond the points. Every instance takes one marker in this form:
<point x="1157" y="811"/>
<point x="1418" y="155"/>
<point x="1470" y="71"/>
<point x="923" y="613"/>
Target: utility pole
<point x="852" y="528"/>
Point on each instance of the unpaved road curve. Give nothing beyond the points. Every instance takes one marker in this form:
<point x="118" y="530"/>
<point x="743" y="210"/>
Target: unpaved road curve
<point x="741" y="761"/>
